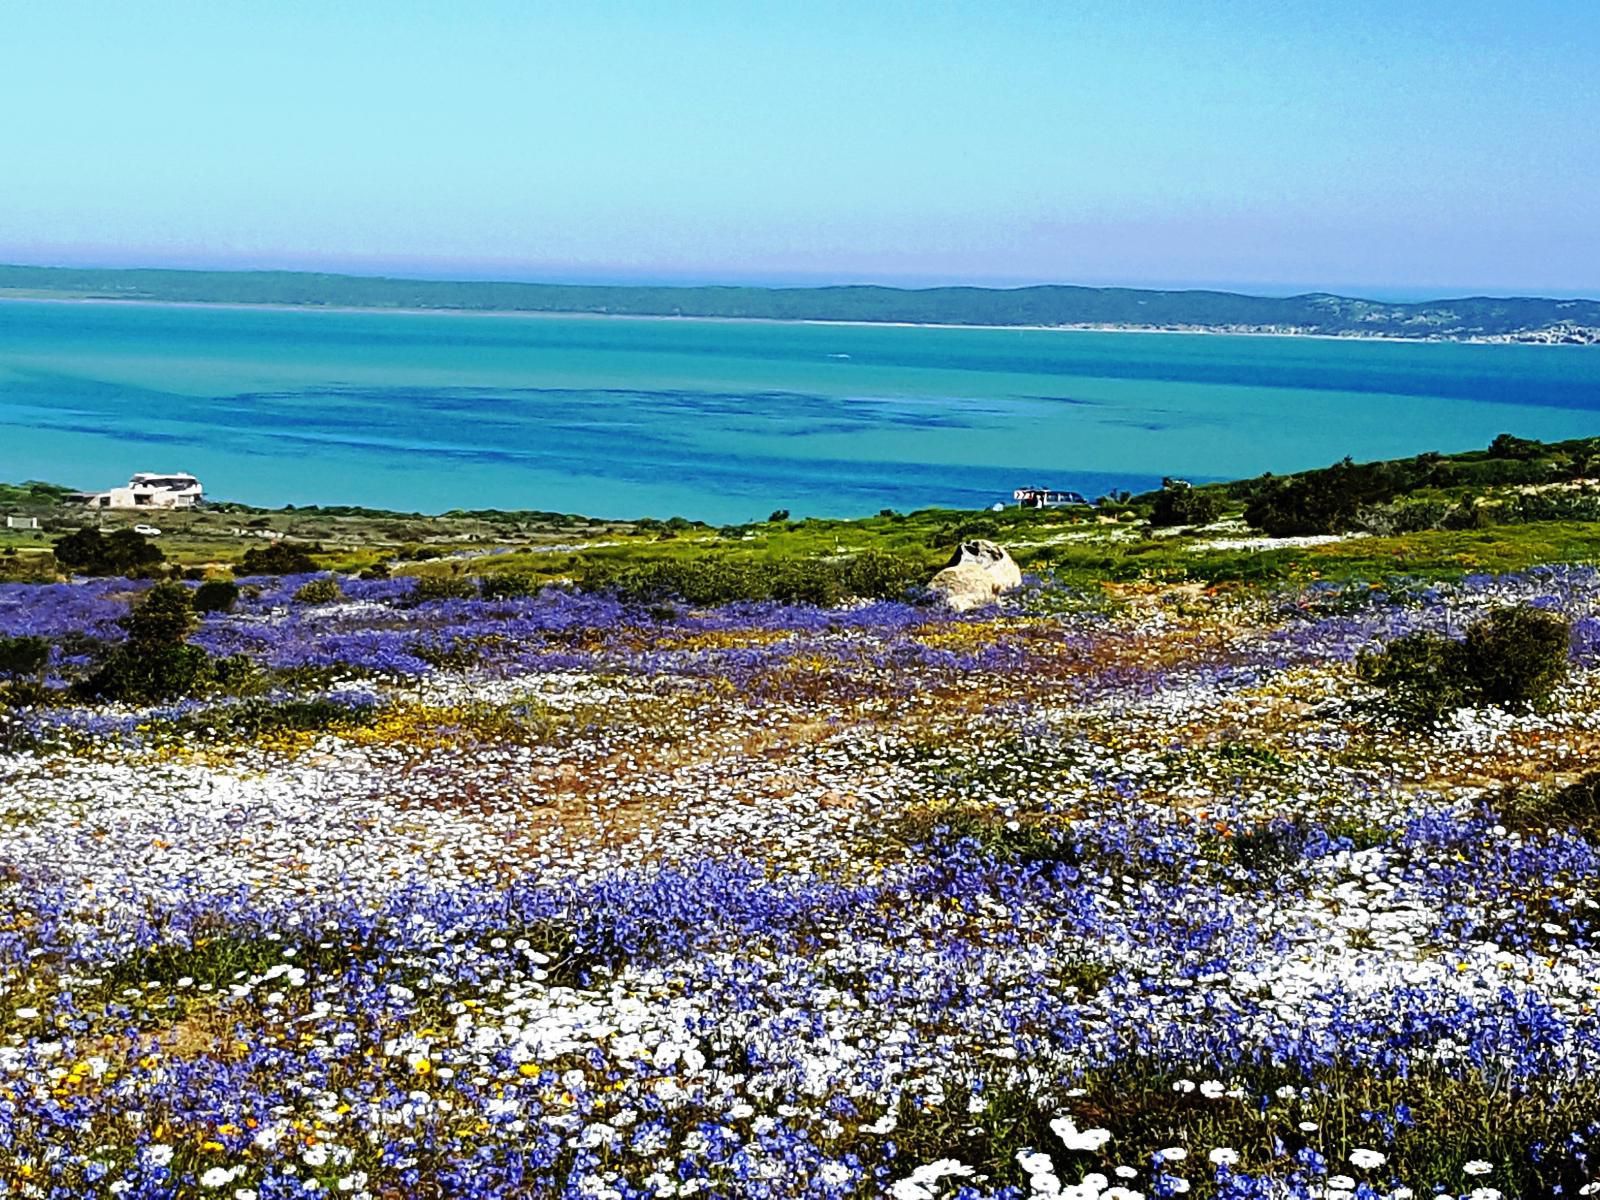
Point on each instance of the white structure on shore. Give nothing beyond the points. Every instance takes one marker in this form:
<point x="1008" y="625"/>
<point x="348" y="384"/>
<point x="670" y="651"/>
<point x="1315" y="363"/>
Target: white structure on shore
<point x="148" y="489"/>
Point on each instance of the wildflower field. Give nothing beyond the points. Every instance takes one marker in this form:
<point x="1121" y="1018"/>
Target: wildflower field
<point x="1120" y="893"/>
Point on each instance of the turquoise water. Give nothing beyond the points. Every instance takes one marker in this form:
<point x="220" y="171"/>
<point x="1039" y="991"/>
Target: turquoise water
<point x="722" y="421"/>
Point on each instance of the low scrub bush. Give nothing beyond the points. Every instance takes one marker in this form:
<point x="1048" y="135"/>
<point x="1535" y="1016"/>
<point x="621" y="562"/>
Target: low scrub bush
<point x="1510" y="657"/>
<point x="443" y="587"/>
<point x="1021" y="840"/>
<point x="21" y="657"/>
<point x="1517" y="655"/>
<point x="1273" y="847"/>
<point x="717" y="579"/>
<point x="216" y="596"/>
<point x="324" y="589"/>
<point x="156" y="662"/>
<point x="279" y="558"/>
<point x="22" y="663"/>
<point x="1575" y="805"/>
<point x="265" y="715"/>
<point x="120" y="552"/>
<point x="1550" y="506"/>
<point x="512" y="585"/>
<point x="1177" y="503"/>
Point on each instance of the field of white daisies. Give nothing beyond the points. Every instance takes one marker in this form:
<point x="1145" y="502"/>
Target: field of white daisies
<point x="1135" y="895"/>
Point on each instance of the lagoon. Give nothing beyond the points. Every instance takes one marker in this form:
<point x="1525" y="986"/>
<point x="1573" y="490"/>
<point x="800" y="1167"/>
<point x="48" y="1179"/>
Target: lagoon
<point x="722" y="420"/>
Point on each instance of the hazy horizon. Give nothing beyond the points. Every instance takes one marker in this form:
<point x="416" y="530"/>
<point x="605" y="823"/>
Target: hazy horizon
<point x="623" y="277"/>
<point x="1394" y="152"/>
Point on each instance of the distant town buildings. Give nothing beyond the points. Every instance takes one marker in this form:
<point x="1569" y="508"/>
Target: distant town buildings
<point x="148" y="489"/>
<point x="1037" y="497"/>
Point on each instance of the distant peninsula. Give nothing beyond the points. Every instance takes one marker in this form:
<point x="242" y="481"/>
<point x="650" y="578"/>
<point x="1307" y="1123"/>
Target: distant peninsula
<point x="1056" y="306"/>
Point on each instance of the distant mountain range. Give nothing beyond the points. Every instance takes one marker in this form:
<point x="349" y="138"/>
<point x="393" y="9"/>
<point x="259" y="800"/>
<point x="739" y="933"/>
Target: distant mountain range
<point x="1472" y="318"/>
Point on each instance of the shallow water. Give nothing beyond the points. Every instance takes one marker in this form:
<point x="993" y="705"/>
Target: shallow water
<point x="722" y="421"/>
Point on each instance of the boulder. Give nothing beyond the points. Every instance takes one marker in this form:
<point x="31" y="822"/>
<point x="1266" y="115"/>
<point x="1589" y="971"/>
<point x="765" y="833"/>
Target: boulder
<point x="977" y="574"/>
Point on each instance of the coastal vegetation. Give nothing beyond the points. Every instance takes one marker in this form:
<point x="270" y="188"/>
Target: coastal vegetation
<point x="513" y="855"/>
<point x="1054" y="305"/>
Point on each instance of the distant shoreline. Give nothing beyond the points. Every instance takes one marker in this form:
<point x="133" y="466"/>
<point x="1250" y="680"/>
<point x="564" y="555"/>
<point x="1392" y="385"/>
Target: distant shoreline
<point x="21" y="296"/>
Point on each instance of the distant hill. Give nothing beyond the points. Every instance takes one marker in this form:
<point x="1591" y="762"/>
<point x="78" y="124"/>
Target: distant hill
<point x="1521" y="318"/>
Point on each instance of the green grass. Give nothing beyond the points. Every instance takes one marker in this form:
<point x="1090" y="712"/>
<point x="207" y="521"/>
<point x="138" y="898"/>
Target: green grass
<point x="1076" y="546"/>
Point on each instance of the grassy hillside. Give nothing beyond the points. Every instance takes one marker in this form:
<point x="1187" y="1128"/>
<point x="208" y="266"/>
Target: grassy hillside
<point x="1577" y="320"/>
<point x="1514" y="505"/>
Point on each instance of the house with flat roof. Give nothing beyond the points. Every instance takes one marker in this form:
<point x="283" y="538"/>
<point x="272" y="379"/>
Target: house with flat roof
<point x="150" y="489"/>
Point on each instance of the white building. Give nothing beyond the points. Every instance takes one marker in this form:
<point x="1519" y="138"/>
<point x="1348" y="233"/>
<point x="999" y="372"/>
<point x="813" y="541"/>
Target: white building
<point x="148" y="489"/>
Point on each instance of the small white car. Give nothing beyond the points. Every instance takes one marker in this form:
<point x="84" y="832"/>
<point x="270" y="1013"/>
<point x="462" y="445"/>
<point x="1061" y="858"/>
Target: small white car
<point x="147" y="530"/>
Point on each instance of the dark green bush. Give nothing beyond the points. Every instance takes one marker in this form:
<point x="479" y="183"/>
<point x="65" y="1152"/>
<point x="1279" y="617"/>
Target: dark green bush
<point x="715" y="579"/>
<point x="1517" y="656"/>
<point x="216" y="595"/>
<point x="443" y="587"/>
<point x="262" y="715"/>
<point x="163" y="616"/>
<point x="23" y="656"/>
<point x="1511" y="657"/>
<point x="150" y="675"/>
<point x="324" y="589"/>
<point x="279" y="558"/>
<point x="1271" y="848"/>
<point x="1177" y="503"/>
<point x="1579" y="802"/>
<point x="879" y="575"/>
<point x="512" y="585"/>
<point x="1509" y="446"/>
<point x="155" y="663"/>
<point x="1319" y="502"/>
<point x="122" y="551"/>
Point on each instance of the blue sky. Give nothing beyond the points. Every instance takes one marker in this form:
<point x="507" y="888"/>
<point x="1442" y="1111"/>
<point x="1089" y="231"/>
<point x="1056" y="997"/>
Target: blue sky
<point x="1405" y="148"/>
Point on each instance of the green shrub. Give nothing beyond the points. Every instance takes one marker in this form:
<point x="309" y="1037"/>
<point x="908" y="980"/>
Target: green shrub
<point x="1387" y="520"/>
<point x="89" y="551"/>
<point x="1509" y="446"/>
<point x="279" y="558"/>
<point x="324" y="589"/>
<point x="216" y="595"/>
<point x="163" y="616"/>
<point x="443" y="587"/>
<point x="155" y="663"/>
<point x="1330" y="500"/>
<point x="261" y="715"/>
<point x="150" y="675"/>
<point x="23" y="656"/>
<point x="1517" y="656"/>
<point x="879" y="575"/>
<point x="1177" y="503"/>
<point x="1510" y="657"/>
<point x="717" y="579"/>
<point x="1272" y="847"/>
<point x="512" y="585"/>
<point x="1550" y="506"/>
<point x="1578" y="802"/>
